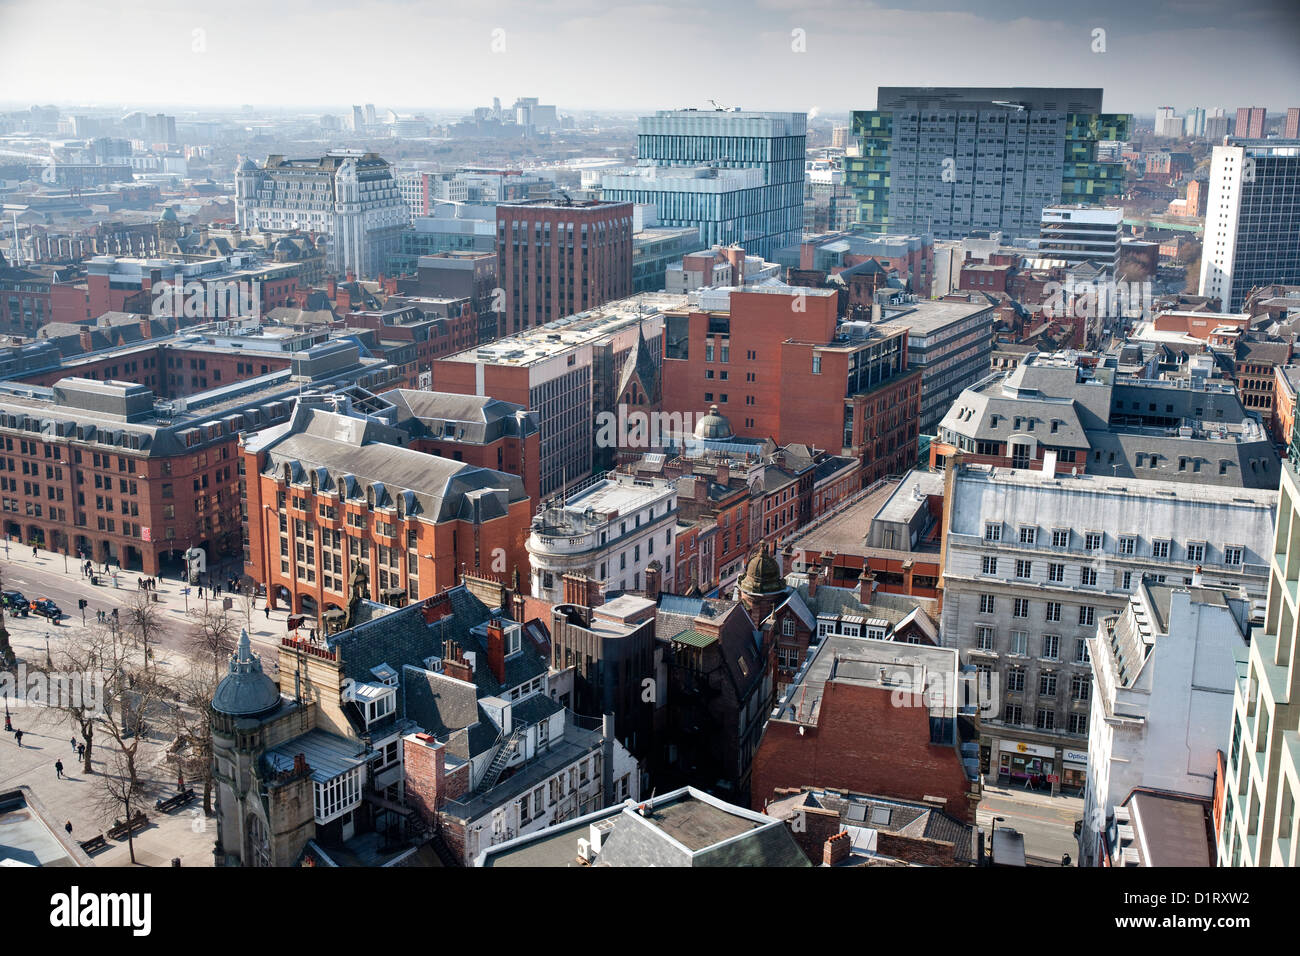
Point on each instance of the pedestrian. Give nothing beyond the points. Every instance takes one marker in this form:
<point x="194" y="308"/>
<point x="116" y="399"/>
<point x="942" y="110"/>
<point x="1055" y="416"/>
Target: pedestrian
<point x="58" y="768"/>
<point x="73" y="741"/>
<point x="81" y="751"/>
<point x="68" y="826"/>
<point x="18" y="737"/>
<point x="33" y="551"/>
<point x="268" y="612"/>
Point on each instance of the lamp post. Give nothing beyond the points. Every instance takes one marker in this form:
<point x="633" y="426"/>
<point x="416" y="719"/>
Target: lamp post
<point x="49" y="661"/>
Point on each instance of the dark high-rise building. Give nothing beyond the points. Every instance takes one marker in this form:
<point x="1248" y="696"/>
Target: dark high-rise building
<point x="1252" y="219"/>
<point x="558" y="258"/>
<point x="955" y="161"/>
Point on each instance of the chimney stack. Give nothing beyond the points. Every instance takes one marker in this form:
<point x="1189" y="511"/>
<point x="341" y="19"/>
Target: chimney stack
<point x="652" y="582"/>
<point x="837" y="849"/>
<point x="496" y="649"/>
<point x="724" y="473"/>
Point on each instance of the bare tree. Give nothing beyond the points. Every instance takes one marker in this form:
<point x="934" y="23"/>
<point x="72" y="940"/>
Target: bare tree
<point x="193" y="724"/>
<point x="94" y="654"/>
<point x="144" y="619"/>
<point x="212" y="638"/>
<point x="120" y="789"/>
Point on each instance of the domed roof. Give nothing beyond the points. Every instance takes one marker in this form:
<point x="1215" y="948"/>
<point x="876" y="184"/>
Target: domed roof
<point x="168" y="215"/>
<point x="245" y="691"/>
<point x="246" y="165"/>
<point x="713" y="426"/>
<point x="763" y="574"/>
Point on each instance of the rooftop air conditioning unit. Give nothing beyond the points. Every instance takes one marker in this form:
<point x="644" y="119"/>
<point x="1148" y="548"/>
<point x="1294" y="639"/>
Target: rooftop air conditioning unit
<point x="585" y="852"/>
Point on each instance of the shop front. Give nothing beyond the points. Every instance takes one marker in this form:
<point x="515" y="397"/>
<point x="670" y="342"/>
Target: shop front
<point x="1029" y="765"/>
<point x="1074" y="770"/>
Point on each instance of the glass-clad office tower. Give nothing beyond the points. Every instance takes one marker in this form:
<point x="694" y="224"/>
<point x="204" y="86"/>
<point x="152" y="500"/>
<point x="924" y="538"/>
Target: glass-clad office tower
<point x="957" y="161"/>
<point x="738" y="176"/>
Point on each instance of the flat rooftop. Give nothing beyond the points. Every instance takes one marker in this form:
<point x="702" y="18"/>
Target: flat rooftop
<point x="562" y="335"/>
<point x="927" y="315"/>
<point x="26" y="839"/>
<point x="845" y="531"/>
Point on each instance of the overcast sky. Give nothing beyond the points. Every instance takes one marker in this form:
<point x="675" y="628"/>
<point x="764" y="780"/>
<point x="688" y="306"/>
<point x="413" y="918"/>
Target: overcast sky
<point x="615" y="55"/>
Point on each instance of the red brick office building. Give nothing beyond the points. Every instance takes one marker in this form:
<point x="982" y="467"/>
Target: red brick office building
<point x="556" y="259"/>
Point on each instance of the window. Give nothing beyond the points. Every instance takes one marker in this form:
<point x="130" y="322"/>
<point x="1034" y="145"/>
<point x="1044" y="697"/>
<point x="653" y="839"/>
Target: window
<point x="992" y="532"/>
<point x="1016" y="679"/>
<point x="1024" y="569"/>
<point x="1160" y="549"/>
<point x="1081" y="653"/>
<point x="1060" y="538"/>
<point x="1013" y="714"/>
<point x="1232" y="556"/>
<point x="986" y="603"/>
<point x="1020" y="643"/>
<point x="787" y="628"/>
<point x="1092" y="541"/>
<point x="1028" y="535"/>
<point x="984" y="638"/>
<point x="1020" y="608"/>
<point x="1051" y="647"/>
<point x="1046" y="719"/>
<point x="1088" y="577"/>
<point x="1056" y="573"/>
<point x="1053" y="611"/>
<point x="1127" y="544"/>
<point x="1047" y="684"/>
<point x="1079" y="686"/>
<point x="1079" y="724"/>
<point x="989" y="565"/>
<point x="1087" y="616"/>
<point x="1195" y="553"/>
<point x="1126" y="581"/>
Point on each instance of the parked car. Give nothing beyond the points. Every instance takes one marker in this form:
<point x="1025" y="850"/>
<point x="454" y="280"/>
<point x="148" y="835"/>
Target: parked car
<point x="47" y="608"/>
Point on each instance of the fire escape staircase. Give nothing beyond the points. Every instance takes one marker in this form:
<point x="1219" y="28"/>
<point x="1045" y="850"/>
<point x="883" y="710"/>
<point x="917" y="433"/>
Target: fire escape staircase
<point x="501" y="758"/>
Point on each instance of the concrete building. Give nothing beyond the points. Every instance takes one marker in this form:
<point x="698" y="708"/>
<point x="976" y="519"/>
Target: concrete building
<point x="952" y="161"/>
<point x="1169" y="125"/>
<point x="1096" y="420"/>
<point x="1164" y="669"/>
<point x="1252" y="219"/>
<point x="1076" y="234"/>
<point x="611" y="531"/>
<point x="1260" y="775"/>
<point x="560" y="258"/>
<point x="1032" y="561"/>
<point x="736" y="175"/>
<point x="349" y="195"/>
<point x="949" y="341"/>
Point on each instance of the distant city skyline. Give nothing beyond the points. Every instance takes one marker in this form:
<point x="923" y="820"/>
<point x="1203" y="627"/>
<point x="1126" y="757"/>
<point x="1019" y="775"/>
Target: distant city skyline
<point x="629" y="57"/>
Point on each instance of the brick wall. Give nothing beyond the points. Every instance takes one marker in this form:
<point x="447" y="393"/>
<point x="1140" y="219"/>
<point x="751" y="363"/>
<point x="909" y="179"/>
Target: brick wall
<point x="896" y="759"/>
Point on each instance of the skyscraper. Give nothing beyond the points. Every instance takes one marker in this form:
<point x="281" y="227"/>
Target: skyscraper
<point x="952" y="161"/>
<point x="1169" y="125"/>
<point x="1291" y="128"/>
<point x="1250" y="122"/>
<point x="763" y="213"/>
<point x="1252" y="219"/>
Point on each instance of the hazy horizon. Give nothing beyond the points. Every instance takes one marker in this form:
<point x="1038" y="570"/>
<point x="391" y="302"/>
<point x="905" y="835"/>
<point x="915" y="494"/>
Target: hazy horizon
<point x="618" y="57"/>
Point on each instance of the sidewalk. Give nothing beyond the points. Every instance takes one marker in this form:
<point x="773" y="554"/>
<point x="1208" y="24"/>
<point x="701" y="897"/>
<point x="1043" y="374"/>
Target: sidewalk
<point x="1021" y="795"/>
<point x="264" y="630"/>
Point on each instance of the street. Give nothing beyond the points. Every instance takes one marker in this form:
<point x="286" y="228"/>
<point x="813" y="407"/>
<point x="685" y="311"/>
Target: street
<point x="1047" y="822"/>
